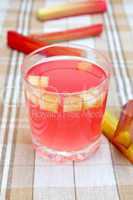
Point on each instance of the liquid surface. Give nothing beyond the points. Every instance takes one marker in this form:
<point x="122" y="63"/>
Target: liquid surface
<point x="66" y="77"/>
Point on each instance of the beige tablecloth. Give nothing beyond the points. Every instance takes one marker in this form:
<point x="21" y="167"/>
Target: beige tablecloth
<point x="24" y="175"/>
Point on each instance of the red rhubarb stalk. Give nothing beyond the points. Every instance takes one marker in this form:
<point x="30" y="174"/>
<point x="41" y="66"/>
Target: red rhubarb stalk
<point x="22" y="43"/>
<point x="26" y="45"/>
<point x="72" y="34"/>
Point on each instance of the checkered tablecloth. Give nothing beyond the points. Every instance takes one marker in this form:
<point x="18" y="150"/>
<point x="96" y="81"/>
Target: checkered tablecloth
<point x="24" y="175"/>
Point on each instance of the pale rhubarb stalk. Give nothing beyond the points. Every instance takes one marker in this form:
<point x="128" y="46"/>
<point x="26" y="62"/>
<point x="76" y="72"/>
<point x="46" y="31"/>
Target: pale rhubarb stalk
<point x="72" y="9"/>
<point x="122" y="140"/>
<point x="72" y="34"/>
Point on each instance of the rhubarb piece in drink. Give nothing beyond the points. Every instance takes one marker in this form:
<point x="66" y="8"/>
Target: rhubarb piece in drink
<point x="50" y="102"/>
<point x="34" y="80"/>
<point x="72" y="104"/>
<point x="43" y="82"/>
<point x="39" y="81"/>
<point x="92" y="99"/>
<point x="85" y="66"/>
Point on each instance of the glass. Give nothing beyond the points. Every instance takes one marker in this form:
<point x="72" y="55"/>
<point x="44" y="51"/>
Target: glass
<point x="66" y="98"/>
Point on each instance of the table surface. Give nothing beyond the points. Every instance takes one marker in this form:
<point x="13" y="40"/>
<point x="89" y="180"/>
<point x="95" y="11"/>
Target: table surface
<point x="24" y="175"/>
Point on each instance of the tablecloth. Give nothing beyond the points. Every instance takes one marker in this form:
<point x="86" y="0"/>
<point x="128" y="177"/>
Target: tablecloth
<point x="23" y="174"/>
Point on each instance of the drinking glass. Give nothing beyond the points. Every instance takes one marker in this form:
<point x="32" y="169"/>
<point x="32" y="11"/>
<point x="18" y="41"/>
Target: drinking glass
<point x="66" y="89"/>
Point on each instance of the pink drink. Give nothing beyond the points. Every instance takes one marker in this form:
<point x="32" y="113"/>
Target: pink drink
<point x="64" y="123"/>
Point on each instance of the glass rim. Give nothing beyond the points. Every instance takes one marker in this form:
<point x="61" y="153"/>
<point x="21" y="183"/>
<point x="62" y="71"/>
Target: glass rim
<point x="84" y="47"/>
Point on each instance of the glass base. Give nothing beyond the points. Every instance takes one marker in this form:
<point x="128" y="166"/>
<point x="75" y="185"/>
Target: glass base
<point x="64" y="156"/>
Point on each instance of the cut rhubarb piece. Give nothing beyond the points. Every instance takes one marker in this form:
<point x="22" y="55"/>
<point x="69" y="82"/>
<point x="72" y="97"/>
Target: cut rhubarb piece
<point x="34" y="80"/>
<point x="72" y="9"/>
<point x="53" y="98"/>
<point x="89" y="101"/>
<point x="124" y="138"/>
<point x="50" y="102"/>
<point x="99" y="97"/>
<point x="92" y="99"/>
<point x="85" y="66"/>
<point x="38" y="81"/>
<point x="100" y="100"/>
<point x="47" y="106"/>
<point x="72" y="104"/>
<point x="43" y="81"/>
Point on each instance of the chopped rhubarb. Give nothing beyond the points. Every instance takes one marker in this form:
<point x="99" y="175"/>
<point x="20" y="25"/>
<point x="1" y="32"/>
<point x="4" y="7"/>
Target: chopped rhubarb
<point x="72" y="104"/>
<point x="92" y="99"/>
<point x="85" y="66"/>
<point x="72" y="9"/>
<point x="50" y="102"/>
<point x="43" y="82"/>
<point x="39" y="81"/>
<point x="34" y="80"/>
<point x="47" y="106"/>
<point x="52" y="98"/>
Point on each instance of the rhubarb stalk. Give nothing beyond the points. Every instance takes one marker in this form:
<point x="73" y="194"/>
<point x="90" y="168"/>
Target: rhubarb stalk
<point x="73" y="9"/>
<point x="72" y="34"/>
<point x="22" y="43"/>
<point x="26" y="45"/>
